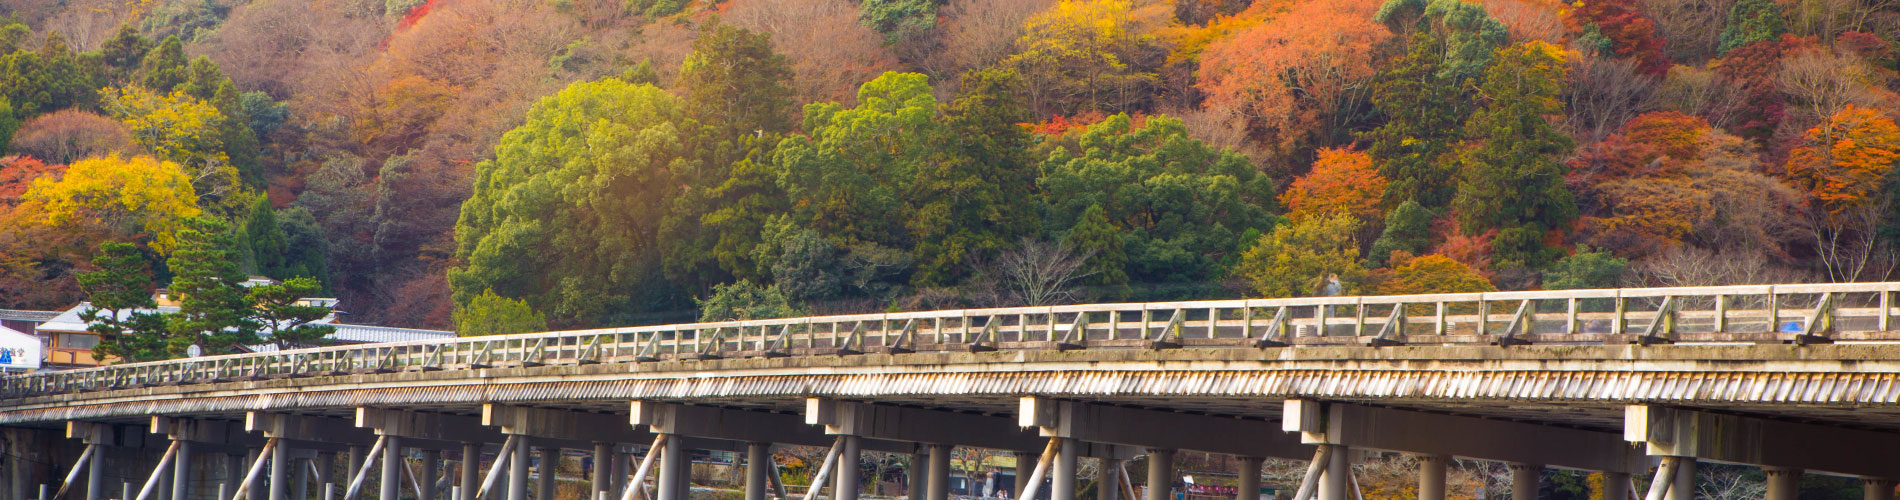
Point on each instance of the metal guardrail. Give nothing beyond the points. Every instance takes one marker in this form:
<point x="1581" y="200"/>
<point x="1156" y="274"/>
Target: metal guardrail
<point x="1801" y="314"/>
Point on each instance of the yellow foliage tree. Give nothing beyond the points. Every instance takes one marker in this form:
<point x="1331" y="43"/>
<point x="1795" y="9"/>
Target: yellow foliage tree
<point x="1342" y="181"/>
<point x="139" y="196"/>
<point x="1088" y="55"/>
<point x="1431" y="274"/>
<point x="1296" y="258"/>
<point x="182" y="129"/>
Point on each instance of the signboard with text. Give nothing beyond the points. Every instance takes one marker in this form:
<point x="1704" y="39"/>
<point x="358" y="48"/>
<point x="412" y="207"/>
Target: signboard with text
<point x="19" y="351"/>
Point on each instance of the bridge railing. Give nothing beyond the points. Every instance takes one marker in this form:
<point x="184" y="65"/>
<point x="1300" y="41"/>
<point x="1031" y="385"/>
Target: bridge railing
<point x="1801" y="314"/>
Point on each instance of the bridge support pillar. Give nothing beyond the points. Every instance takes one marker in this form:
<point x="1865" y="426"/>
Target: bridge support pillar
<point x="1682" y="483"/>
<point x="846" y="473"/>
<point x="1062" y="486"/>
<point x="1616" y="486"/>
<point x="325" y="470"/>
<point x="1336" y="482"/>
<point x="1248" y="484"/>
<point x="96" y="475"/>
<point x="623" y="468"/>
<point x="1025" y="465"/>
<point x="257" y="491"/>
<point x="181" y="472"/>
<point x="233" y="473"/>
<point x="1108" y="482"/>
<point x="939" y="478"/>
<point x="758" y="470"/>
<point x="392" y="467"/>
<point x="280" y="465"/>
<point x="518" y="470"/>
<point x="602" y="480"/>
<point x="917" y="474"/>
<point x="674" y="465"/>
<point x="1524" y="478"/>
<point x="301" y="490"/>
<point x="1876" y="488"/>
<point x="550" y="468"/>
<point x="1784" y="483"/>
<point x="431" y="472"/>
<point x="1160" y="475"/>
<point x="1431" y="476"/>
<point x="471" y="471"/>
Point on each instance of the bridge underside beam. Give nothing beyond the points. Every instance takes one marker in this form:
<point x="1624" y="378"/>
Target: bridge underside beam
<point x="327" y="433"/>
<point x="418" y="429"/>
<point x="1716" y="437"/>
<point x="1101" y="423"/>
<point x="919" y="425"/>
<point x="742" y="426"/>
<point x="1367" y="427"/>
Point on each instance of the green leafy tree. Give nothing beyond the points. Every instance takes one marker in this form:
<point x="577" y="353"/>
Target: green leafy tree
<point x="845" y="179"/>
<point x="490" y="314"/>
<point x="164" y="68"/>
<point x="1585" y="269"/>
<point x="9" y="123"/>
<point x="734" y="83"/>
<point x="264" y="240"/>
<point x="1095" y="237"/>
<point x="567" y="216"/>
<point x="305" y="247"/>
<point x="745" y="300"/>
<point x="1408" y="228"/>
<point x="286" y="320"/>
<point x="1296" y="258"/>
<point x="1465" y="35"/>
<point x="214" y="308"/>
<point x="736" y="86"/>
<point x="656" y="8"/>
<point x="123" y="53"/>
<point x="975" y="198"/>
<point x="1422" y="113"/>
<point x="51" y="78"/>
<point x="1183" y="203"/>
<point x="898" y="19"/>
<point x="1751" y="21"/>
<point x="119" y="305"/>
<point x="1512" y="175"/>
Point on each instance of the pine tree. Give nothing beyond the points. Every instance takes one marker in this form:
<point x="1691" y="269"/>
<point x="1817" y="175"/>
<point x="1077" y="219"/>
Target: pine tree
<point x="1422" y="111"/>
<point x="119" y="303"/>
<point x="214" y="310"/>
<point x="1095" y="237"/>
<point x="287" y="321"/>
<point x="1511" y="179"/>
<point x="265" y="240"/>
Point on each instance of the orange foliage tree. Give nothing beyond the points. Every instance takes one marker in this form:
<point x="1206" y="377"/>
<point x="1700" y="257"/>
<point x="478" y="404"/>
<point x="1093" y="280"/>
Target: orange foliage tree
<point x="1841" y="166"/>
<point x="1289" y="80"/>
<point x="17" y="174"/>
<point x="1342" y="181"/>
<point x="1843" y="160"/>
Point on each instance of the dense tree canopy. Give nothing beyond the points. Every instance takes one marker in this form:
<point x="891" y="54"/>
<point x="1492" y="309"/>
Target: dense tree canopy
<point x="505" y="165"/>
<point x="567" y="215"/>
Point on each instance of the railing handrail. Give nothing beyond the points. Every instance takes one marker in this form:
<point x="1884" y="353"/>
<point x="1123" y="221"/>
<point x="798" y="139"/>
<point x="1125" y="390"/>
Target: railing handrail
<point x="899" y="331"/>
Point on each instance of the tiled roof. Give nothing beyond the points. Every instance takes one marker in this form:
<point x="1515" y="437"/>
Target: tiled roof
<point x="26" y="315"/>
<point x="69" y="321"/>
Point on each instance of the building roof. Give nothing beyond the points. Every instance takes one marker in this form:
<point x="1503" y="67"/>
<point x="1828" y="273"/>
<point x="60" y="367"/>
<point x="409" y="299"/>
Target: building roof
<point x="27" y="315"/>
<point x="70" y="322"/>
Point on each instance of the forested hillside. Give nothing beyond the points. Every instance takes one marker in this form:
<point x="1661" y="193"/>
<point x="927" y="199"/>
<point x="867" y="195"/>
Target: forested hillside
<point x="503" y="165"/>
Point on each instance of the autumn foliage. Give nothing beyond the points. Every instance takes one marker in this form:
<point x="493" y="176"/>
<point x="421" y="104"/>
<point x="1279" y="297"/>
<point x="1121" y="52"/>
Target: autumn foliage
<point x="1341" y="182"/>
<point x="1842" y="162"/>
